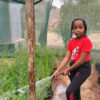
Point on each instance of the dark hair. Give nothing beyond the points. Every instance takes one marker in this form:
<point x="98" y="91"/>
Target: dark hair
<point x="84" y="23"/>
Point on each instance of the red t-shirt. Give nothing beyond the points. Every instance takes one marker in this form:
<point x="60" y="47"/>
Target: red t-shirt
<point x="78" y="46"/>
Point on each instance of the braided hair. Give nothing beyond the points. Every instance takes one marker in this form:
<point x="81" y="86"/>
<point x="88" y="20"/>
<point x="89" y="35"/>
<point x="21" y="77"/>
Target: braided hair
<point x="84" y="23"/>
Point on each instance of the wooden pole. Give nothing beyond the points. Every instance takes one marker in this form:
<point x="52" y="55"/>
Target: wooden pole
<point x="30" y="21"/>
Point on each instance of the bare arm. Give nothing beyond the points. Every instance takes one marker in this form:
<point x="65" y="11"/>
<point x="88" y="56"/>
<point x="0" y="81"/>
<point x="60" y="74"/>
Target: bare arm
<point x="78" y="63"/>
<point x="64" y="62"/>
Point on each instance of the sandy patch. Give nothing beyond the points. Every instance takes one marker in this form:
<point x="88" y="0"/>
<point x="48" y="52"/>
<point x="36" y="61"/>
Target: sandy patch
<point x="95" y="39"/>
<point x="54" y="40"/>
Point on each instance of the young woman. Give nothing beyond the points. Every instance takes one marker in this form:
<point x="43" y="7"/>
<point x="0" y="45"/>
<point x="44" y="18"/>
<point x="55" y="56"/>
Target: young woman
<point x="78" y="52"/>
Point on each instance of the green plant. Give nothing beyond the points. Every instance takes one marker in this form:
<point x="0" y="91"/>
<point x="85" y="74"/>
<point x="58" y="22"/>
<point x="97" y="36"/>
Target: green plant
<point x="14" y="73"/>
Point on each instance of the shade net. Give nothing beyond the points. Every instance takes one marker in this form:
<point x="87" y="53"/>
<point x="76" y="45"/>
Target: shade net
<point x="13" y="22"/>
<point x="20" y="1"/>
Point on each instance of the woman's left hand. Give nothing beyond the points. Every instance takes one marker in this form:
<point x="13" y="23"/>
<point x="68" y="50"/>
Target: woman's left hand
<point x="66" y="72"/>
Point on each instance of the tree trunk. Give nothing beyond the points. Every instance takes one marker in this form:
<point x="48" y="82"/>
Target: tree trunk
<point x="30" y="21"/>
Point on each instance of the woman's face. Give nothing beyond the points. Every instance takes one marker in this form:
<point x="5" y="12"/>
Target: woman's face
<point x="78" y="28"/>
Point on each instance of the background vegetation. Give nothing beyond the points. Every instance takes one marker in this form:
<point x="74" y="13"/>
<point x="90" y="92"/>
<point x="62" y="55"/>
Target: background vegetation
<point x="14" y="73"/>
<point x="86" y="9"/>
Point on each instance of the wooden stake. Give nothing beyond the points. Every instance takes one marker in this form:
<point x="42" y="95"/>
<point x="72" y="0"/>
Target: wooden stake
<point x="30" y="21"/>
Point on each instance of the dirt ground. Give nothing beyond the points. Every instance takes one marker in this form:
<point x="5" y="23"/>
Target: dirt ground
<point x="54" y="39"/>
<point x="90" y="90"/>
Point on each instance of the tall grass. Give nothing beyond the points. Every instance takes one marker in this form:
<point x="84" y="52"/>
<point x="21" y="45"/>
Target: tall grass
<point x="14" y="71"/>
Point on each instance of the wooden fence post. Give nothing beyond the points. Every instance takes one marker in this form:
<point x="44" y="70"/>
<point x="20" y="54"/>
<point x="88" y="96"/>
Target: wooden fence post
<point x="30" y="21"/>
